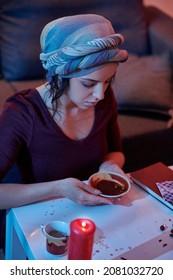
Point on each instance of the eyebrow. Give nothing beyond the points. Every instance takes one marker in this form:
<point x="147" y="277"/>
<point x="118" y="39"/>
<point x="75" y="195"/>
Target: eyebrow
<point x="93" y="80"/>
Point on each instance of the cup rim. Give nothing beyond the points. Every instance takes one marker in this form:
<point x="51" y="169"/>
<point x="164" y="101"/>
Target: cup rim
<point x="47" y="235"/>
<point x="118" y="175"/>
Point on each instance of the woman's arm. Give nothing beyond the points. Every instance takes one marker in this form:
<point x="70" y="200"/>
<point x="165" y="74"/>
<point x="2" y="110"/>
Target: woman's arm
<point x="14" y="195"/>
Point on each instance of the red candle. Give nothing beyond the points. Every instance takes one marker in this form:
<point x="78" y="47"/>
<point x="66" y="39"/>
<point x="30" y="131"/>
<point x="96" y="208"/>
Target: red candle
<point x="81" y="239"/>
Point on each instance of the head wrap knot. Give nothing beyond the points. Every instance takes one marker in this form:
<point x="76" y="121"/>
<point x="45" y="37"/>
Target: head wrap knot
<point x="76" y="45"/>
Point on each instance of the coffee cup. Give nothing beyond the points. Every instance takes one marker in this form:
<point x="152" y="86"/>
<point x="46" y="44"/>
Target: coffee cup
<point x="57" y="235"/>
<point x="111" y="184"/>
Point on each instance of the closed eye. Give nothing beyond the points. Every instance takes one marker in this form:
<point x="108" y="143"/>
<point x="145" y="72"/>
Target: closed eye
<point x="88" y="85"/>
<point x="91" y="83"/>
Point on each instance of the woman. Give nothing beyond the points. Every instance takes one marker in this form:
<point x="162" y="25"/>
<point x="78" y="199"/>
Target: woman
<point x="65" y="130"/>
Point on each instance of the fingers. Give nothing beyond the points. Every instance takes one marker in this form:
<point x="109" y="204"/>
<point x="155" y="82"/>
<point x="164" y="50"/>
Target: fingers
<point x="90" y="199"/>
<point x="82" y="193"/>
<point x="89" y="189"/>
<point x="90" y="196"/>
<point x="92" y="203"/>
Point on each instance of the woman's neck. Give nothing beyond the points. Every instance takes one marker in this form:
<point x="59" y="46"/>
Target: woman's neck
<point x="65" y="106"/>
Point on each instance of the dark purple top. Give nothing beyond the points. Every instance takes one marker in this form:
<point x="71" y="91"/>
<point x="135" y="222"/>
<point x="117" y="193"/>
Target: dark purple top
<point x="30" y="136"/>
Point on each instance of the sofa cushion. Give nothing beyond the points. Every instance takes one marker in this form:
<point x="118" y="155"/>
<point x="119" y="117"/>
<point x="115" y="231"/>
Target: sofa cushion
<point x="143" y="137"/>
<point x="5" y="91"/>
<point x="22" y="22"/>
<point x="21" y="27"/>
<point x="144" y="83"/>
<point x="21" y="85"/>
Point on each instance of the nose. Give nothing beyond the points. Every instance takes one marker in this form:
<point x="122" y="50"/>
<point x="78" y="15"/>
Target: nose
<point x="99" y="92"/>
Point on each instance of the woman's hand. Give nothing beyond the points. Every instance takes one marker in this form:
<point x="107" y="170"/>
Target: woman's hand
<point x="106" y="167"/>
<point x="113" y="162"/>
<point x="82" y="193"/>
<point x="111" y="167"/>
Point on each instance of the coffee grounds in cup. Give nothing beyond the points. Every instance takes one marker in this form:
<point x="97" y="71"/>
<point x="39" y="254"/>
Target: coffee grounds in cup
<point x="56" y="234"/>
<point x="110" y="187"/>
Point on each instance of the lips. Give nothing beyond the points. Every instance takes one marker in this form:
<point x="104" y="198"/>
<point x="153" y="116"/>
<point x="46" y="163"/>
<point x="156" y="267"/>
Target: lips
<point x="91" y="103"/>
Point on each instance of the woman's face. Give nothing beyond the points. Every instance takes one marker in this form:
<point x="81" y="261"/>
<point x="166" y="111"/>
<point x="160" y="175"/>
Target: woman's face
<point x="86" y="91"/>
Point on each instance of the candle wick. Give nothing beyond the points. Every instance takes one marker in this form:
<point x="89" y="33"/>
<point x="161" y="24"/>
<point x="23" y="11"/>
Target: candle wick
<point x="83" y="224"/>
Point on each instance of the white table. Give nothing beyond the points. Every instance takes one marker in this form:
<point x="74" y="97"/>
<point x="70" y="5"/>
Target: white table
<point x="129" y="229"/>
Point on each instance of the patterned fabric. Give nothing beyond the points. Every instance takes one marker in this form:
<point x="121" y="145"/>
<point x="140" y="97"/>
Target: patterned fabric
<point x="166" y="190"/>
<point x="77" y="45"/>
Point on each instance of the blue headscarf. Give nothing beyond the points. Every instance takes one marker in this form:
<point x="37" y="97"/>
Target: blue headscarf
<point x="77" y="45"/>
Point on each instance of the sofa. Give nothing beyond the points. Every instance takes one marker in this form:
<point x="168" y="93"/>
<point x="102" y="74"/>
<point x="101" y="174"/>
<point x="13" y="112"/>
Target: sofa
<point x="143" y="84"/>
